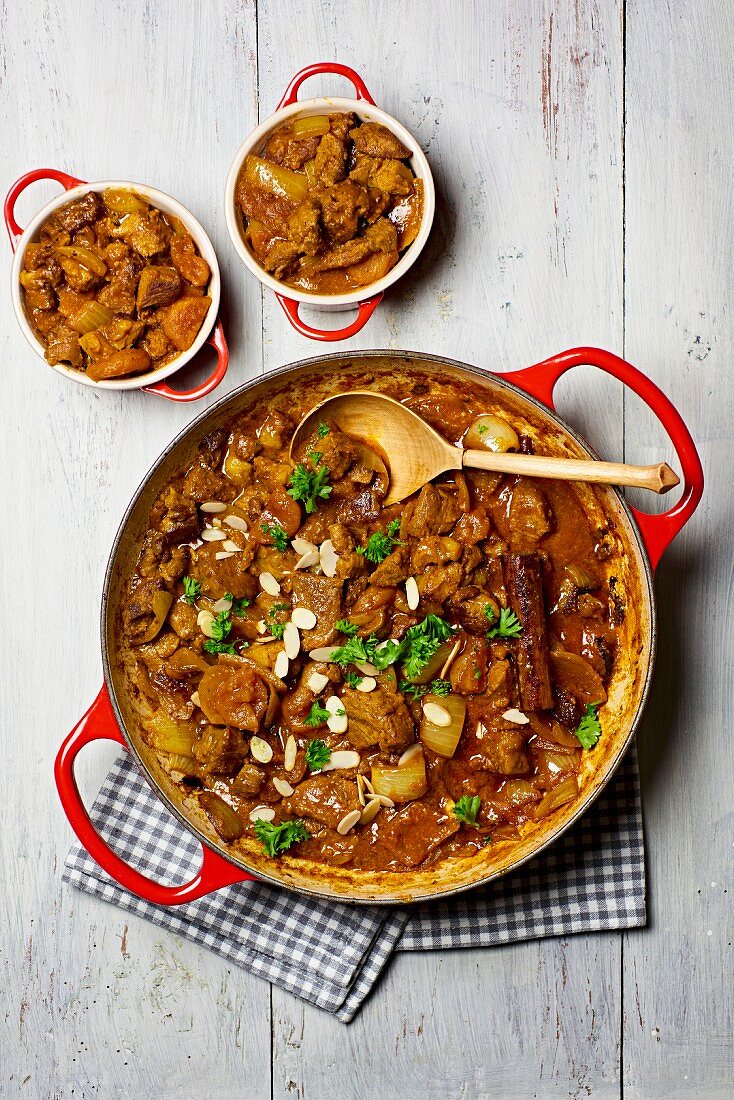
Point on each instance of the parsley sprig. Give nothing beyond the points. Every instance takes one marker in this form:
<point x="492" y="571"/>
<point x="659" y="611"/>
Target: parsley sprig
<point x="467" y="808"/>
<point x="345" y="627"/>
<point x="316" y="716"/>
<point x="353" y="679"/>
<point x="323" y="430"/>
<point x="219" y="647"/>
<point x="318" y="753"/>
<point x="276" y="534"/>
<point x="422" y="642"/>
<point x="278" y="838"/>
<point x="381" y="543"/>
<point x="192" y="589"/>
<point x="417" y="691"/>
<point x="220" y="628"/>
<point x="507" y="626"/>
<point x="588" y="730"/>
<point x="309" y="486"/>
<point x="238" y="605"/>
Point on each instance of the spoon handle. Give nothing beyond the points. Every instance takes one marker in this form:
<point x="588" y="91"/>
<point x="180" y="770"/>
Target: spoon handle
<point x="659" y="478"/>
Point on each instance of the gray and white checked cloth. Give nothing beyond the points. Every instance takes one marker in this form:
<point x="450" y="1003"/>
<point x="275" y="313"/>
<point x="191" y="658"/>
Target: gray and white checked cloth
<point x="332" y="954"/>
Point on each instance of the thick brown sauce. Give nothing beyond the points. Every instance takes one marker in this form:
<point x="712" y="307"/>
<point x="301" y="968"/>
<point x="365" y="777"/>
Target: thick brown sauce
<point x="510" y="766"/>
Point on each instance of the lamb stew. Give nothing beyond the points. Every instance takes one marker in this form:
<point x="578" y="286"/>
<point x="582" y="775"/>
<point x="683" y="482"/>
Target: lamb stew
<point x="369" y="688"/>
<point x="330" y="203"/>
<point x="113" y="286"/>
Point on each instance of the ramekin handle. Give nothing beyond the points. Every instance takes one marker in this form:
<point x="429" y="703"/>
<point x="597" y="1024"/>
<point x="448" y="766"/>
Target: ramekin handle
<point x="365" y="310"/>
<point x="100" y="723"/>
<point x="67" y="182"/>
<point x="219" y="343"/>
<point x="658" y="531"/>
<point x="291" y="93"/>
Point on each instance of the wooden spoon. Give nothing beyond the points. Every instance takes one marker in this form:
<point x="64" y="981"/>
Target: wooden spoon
<point x="415" y="453"/>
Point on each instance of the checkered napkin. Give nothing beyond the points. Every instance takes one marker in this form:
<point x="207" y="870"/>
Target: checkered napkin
<point x="331" y="954"/>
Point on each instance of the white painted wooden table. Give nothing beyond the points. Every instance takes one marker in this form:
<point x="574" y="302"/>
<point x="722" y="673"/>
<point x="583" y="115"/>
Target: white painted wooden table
<point x="583" y="155"/>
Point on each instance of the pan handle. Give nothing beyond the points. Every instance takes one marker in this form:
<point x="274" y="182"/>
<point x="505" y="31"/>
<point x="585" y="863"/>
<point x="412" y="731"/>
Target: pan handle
<point x="219" y="342"/>
<point x="15" y="232"/>
<point x="290" y="95"/>
<point x="100" y="722"/>
<point x="658" y="531"/>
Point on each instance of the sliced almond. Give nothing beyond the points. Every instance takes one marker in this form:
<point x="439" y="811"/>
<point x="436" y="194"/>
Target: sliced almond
<point x="205" y="621"/>
<point x="221" y="605"/>
<point x="317" y="682"/>
<point x="323" y="653"/>
<point x="412" y="595"/>
<point x="382" y="799"/>
<point x="280" y="668"/>
<point x="409" y="754"/>
<point x="303" y="618"/>
<point x="261" y="750"/>
<point x="367" y="683"/>
<point x="236" y="522"/>
<point x="262" y="626"/>
<point x="269" y="584"/>
<point x="213" y="534"/>
<point x="450" y="659"/>
<point x="370" y="812"/>
<point x="348" y="822"/>
<point x="366" y="668"/>
<point x="437" y="714"/>
<point x="195" y="699"/>
<point x="338" y="723"/>
<point x="334" y="704"/>
<point x="516" y="716"/>
<point x="262" y="813"/>
<point x="290" y="753"/>
<point x="233" y="547"/>
<point x="310" y="558"/>
<point x="360" y="789"/>
<point x="222" y="554"/>
<point x="328" y="558"/>
<point x="341" y="759"/>
<point x="368" y="785"/>
<point x="291" y="641"/>
<point x="303" y="546"/>
<point x="212" y="506"/>
<point x="283" y="787"/>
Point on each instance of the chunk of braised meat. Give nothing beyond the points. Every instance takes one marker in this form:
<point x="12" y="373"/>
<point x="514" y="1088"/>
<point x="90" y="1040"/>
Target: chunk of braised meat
<point x="380" y="237"/>
<point x="338" y="453"/>
<point x="276" y="431"/>
<point x="567" y="709"/>
<point x="331" y="159"/>
<point x="523" y="575"/>
<point x="342" y="205"/>
<point x="472" y="527"/>
<point x="158" y="286"/>
<point x="63" y="346"/>
<point x="394" y="570"/>
<point x="468" y="606"/>
<point x="248" y="781"/>
<point x="377" y="141"/>
<point x="159" y="558"/>
<point x="81" y="212"/>
<point x="290" y="151"/>
<point x="433" y="513"/>
<point x="173" y="691"/>
<point x="326" y="798"/>
<point x="139" y="613"/>
<point x="183" y="620"/>
<point x="202" y="483"/>
<point x="371" y="609"/>
<point x="417" y="829"/>
<point x="378" y="717"/>
<point x="221" y="749"/>
<point x="218" y="576"/>
<point x="439" y="582"/>
<point x="341" y="122"/>
<point x="304" y="228"/>
<point x="175" y="516"/>
<point x="530" y="518"/>
<point x="435" y="550"/>
<point x="323" y="596"/>
<point x="448" y="414"/>
<point x="501" y="746"/>
<point x="282" y="258"/>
